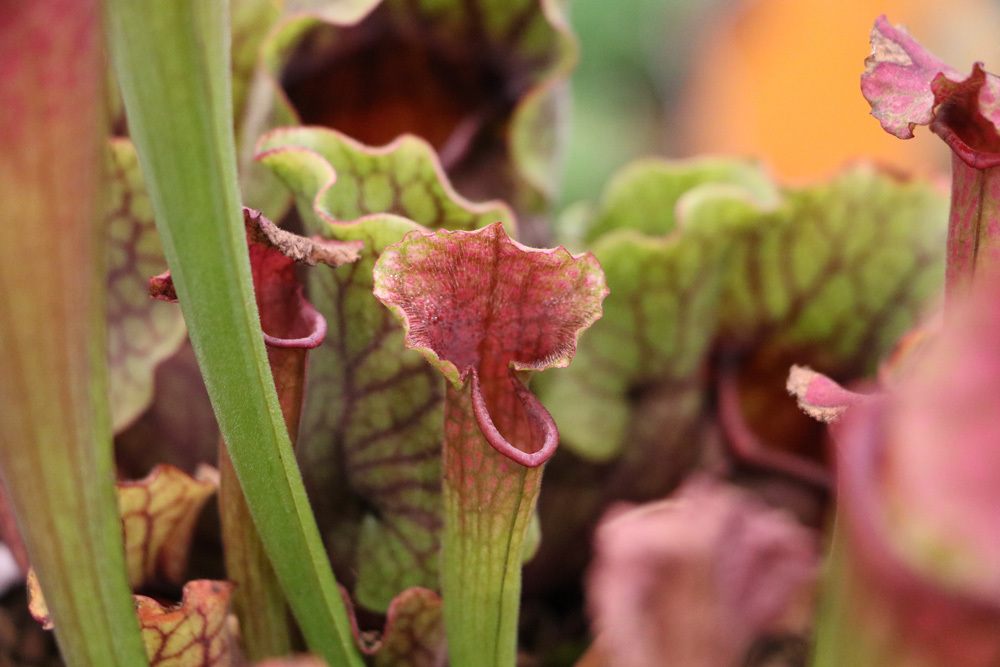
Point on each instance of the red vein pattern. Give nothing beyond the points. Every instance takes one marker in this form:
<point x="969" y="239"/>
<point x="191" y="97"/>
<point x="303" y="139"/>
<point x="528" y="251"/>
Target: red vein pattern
<point x="482" y="308"/>
<point x="195" y="633"/>
<point x="413" y="635"/>
<point x="141" y="332"/>
<point x="830" y="276"/>
<point x="371" y="427"/>
<point x="158" y="516"/>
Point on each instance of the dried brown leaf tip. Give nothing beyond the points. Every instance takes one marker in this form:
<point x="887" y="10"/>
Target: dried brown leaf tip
<point x="266" y="239"/>
<point x="287" y="318"/>
<point x="158" y="516"/>
<point x="195" y="633"/>
<point x="299" y="249"/>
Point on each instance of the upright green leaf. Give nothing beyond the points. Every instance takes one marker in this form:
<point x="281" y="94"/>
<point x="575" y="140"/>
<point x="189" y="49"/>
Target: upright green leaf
<point x="55" y="428"/>
<point x="173" y="64"/>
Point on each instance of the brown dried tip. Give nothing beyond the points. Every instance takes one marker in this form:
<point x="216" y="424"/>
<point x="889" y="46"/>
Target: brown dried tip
<point x="301" y="249"/>
<point x="262" y="232"/>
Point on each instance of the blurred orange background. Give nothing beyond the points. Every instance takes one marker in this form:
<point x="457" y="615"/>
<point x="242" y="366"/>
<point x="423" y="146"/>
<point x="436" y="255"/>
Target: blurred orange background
<point x="773" y="79"/>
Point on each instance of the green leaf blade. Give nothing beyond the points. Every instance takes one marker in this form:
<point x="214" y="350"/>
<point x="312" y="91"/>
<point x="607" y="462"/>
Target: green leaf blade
<point x="178" y="98"/>
<point x="55" y="429"/>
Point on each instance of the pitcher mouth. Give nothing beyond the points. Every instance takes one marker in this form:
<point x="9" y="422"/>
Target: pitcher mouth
<point x="535" y="410"/>
<point x="376" y="82"/>
<point x="960" y="122"/>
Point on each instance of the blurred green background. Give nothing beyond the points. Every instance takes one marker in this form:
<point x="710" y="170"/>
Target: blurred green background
<point x="632" y="62"/>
